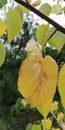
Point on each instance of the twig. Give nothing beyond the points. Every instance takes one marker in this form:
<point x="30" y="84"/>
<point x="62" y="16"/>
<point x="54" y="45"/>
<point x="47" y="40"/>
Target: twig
<point x="42" y="15"/>
<point x="50" y="36"/>
<point x="56" y="119"/>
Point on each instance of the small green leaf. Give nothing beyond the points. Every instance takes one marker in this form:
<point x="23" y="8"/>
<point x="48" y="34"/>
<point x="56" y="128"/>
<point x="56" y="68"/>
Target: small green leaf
<point x="64" y="9"/>
<point x="13" y="24"/>
<point x="19" y="106"/>
<point x="57" y="40"/>
<point x="42" y="33"/>
<point x="45" y="8"/>
<point x="2" y="54"/>
<point x="36" y="127"/>
<point x="56" y="9"/>
<point x="19" y="9"/>
<point x="2" y="27"/>
<point x="2" y="3"/>
<point x="29" y="126"/>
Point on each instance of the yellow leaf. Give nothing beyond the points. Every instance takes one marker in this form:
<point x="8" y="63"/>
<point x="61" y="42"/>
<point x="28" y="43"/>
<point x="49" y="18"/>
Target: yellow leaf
<point x="2" y="27"/>
<point x="60" y="116"/>
<point x="61" y="84"/>
<point x="36" y="3"/>
<point x="37" y="78"/>
<point x="48" y="124"/>
<point x="33" y="50"/>
<point x="2" y="54"/>
<point x="54" y="106"/>
<point x="50" y="70"/>
<point x="24" y="102"/>
<point x="56" y="128"/>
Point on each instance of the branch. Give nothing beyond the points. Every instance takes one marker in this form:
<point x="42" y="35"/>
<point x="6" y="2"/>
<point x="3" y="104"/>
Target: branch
<point x="57" y="120"/>
<point x="42" y="15"/>
<point x="50" y="36"/>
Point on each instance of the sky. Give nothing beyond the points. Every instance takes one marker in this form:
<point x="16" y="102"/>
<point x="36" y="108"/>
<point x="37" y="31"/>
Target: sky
<point x="58" y="18"/>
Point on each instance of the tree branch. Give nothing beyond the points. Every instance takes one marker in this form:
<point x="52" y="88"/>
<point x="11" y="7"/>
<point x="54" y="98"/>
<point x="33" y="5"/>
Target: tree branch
<point x="51" y="36"/>
<point x="42" y="15"/>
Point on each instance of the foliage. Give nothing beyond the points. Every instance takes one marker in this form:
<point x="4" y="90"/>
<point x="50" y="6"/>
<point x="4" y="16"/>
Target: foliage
<point x="12" y="23"/>
<point x="61" y="83"/>
<point x="3" y="27"/>
<point x="38" y="94"/>
<point x="26" y="94"/>
<point x="2" y="3"/>
<point x="2" y="54"/>
<point x="45" y="8"/>
<point x="41" y="33"/>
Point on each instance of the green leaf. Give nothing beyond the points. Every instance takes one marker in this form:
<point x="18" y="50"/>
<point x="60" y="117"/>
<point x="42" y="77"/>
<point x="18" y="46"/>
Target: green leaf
<point x="61" y="84"/>
<point x="2" y="54"/>
<point x="42" y="33"/>
<point x="19" y="105"/>
<point x="2" y="27"/>
<point x="57" y="9"/>
<point x="19" y="9"/>
<point x="36" y="127"/>
<point x="13" y="24"/>
<point x="64" y="9"/>
<point x="45" y="8"/>
<point x="2" y="3"/>
<point x="57" y="40"/>
<point x="29" y="126"/>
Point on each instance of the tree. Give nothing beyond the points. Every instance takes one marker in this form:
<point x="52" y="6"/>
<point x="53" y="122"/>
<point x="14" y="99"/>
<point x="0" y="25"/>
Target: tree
<point x="30" y="104"/>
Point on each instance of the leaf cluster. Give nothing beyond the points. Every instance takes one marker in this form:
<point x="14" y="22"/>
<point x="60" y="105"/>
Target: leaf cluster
<point x="14" y="114"/>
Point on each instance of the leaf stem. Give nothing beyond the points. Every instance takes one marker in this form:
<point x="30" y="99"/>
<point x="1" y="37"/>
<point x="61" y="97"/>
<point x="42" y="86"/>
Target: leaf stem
<point x="44" y="126"/>
<point x="45" y="50"/>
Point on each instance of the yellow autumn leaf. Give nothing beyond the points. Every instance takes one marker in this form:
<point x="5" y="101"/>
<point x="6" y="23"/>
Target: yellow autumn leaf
<point x="54" y="106"/>
<point x="56" y="128"/>
<point x="60" y="116"/>
<point x="61" y="84"/>
<point x="37" y="78"/>
<point x="33" y="50"/>
<point x="2" y="27"/>
<point x="48" y="124"/>
<point x="36" y="3"/>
